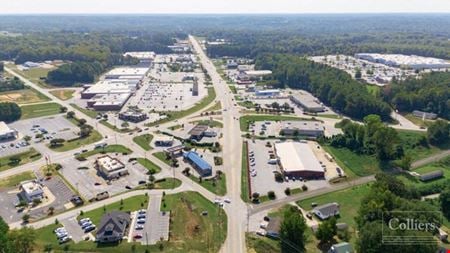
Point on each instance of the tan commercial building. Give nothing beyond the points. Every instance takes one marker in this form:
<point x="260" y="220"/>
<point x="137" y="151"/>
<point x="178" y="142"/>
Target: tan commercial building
<point x="296" y="159"/>
<point x="111" y="168"/>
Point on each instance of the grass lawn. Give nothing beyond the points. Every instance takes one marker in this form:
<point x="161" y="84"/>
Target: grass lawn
<point x="69" y="145"/>
<point x="24" y="96"/>
<point x="411" y="140"/>
<point x="190" y="231"/>
<point x="152" y="168"/>
<point x="35" y="75"/>
<point x="443" y="165"/>
<point x="144" y="141"/>
<point x="89" y="113"/>
<point x="418" y="121"/>
<point x="245" y="191"/>
<point x="108" y="149"/>
<point x="175" y="127"/>
<point x="349" y="201"/>
<point x="354" y="164"/>
<point x="39" y="110"/>
<point x="168" y="183"/>
<point x="216" y="107"/>
<point x="247" y="104"/>
<point x="185" y="210"/>
<point x="16" y="179"/>
<point x="63" y="94"/>
<point x="220" y="187"/>
<point x="22" y="158"/>
<point x="162" y="156"/>
<point x="374" y="90"/>
<point x="210" y="123"/>
<point x="245" y="121"/>
<point x="197" y="107"/>
<point x="233" y="89"/>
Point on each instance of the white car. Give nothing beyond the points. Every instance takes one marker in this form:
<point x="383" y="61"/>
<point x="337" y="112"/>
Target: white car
<point x="59" y="230"/>
<point x="83" y="220"/>
<point x="65" y="239"/>
<point x="139" y="227"/>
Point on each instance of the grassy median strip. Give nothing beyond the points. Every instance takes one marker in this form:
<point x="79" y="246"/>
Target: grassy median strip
<point x="87" y="112"/>
<point x="108" y="149"/>
<point x="79" y="142"/>
<point x="244" y="175"/>
<point x="144" y="141"/>
<point x="152" y="168"/>
<point x="12" y="161"/>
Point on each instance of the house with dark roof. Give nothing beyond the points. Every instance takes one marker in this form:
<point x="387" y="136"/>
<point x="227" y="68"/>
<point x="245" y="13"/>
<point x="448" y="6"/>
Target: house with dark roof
<point x="326" y="211"/>
<point x="273" y="228"/>
<point x="201" y="166"/>
<point x="113" y="227"/>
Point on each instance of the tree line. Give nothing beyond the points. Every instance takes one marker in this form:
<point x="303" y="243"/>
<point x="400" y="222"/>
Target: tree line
<point x="11" y="84"/>
<point x="16" y="240"/>
<point x="9" y="112"/>
<point x="333" y="87"/>
<point x="430" y="93"/>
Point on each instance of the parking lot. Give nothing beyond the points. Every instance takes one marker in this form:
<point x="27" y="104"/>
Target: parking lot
<point x="49" y="127"/>
<point x="73" y="229"/>
<point x="85" y="178"/>
<point x="13" y="147"/>
<point x="262" y="177"/>
<point x="61" y="196"/>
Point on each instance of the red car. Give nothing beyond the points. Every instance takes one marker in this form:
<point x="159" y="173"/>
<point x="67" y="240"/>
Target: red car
<point x="137" y="236"/>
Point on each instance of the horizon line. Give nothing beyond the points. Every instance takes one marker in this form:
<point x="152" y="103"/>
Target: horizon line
<point x="219" y="13"/>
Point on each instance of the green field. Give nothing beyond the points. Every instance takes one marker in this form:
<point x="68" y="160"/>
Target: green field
<point x="89" y="113"/>
<point x="152" y="168"/>
<point x="247" y="104"/>
<point x="16" y="179"/>
<point x="374" y="90"/>
<point x="12" y="161"/>
<point x="244" y="175"/>
<point x="108" y="149"/>
<point x="411" y="140"/>
<point x="39" y="110"/>
<point x="216" y="107"/>
<point x="144" y="141"/>
<point x="35" y="75"/>
<point x="197" y="107"/>
<point x="76" y="143"/>
<point x="63" y="94"/>
<point x="245" y="121"/>
<point x="220" y="187"/>
<point x="418" y="121"/>
<point x="191" y="231"/>
<point x="162" y="156"/>
<point x="443" y="165"/>
<point x="168" y="183"/>
<point x="24" y="96"/>
<point x="354" y="164"/>
<point x="233" y="89"/>
<point x="349" y="201"/>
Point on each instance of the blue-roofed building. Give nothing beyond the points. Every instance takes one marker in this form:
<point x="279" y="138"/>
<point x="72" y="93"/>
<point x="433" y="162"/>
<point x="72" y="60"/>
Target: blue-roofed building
<point x="201" y="166"/>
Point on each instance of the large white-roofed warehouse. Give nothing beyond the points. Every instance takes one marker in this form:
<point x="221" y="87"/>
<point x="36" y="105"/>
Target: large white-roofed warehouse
<point x="296" y="159"/>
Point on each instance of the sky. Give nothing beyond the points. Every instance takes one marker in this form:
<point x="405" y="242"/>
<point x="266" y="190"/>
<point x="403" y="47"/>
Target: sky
<point x="220" y="6"/>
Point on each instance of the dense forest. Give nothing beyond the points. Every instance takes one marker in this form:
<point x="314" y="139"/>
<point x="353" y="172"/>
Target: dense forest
<point x="332" y="86"/>
<point x="430" y="93"/>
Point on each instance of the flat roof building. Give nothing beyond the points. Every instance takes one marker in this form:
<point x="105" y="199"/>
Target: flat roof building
<point x="116" y="73"/>
<point x="108" y="102"/>
<point x="409" y="61"/>
<point x="163" y="140"/>
<point x="308" y="102"/>
<point x="145" y="56"/>
<point x="296" y="159"/>
<point x="302" y="128"/>
<point x="6" y="132"/>
<point x="111" y="168"/>
<point x="267" y="93"/>
<point x="258" y="73"/>
<point x="31" y="190"/>
<point x="201" y="166"/>
<point x="133" y="116"/>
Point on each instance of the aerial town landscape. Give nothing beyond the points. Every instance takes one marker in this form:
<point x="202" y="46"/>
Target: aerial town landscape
<point x="228" y="133"/>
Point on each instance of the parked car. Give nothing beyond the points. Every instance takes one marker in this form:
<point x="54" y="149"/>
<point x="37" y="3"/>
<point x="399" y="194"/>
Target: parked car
<point x="89" y="229"/>
<point x="139" y="227"/>
<point x="64" y="239"/>
<point x="140" y="221"/>
<point x="83" y="220"/>
<point x="137" y="236"/>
